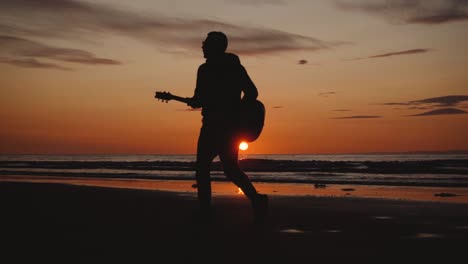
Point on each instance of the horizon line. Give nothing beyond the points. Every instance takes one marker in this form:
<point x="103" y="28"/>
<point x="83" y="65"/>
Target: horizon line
<point x="240" y="153"/>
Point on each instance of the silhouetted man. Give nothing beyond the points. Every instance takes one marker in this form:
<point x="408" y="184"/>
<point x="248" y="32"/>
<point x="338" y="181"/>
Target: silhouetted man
<point x="220" y="82"/>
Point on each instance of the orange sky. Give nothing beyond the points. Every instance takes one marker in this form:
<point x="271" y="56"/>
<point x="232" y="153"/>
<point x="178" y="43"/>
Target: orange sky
<point x="335" y="76"/>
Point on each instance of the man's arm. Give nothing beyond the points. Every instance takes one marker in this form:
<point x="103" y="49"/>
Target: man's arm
<point x="248" y="87"/>
<point x="195" y="101"/>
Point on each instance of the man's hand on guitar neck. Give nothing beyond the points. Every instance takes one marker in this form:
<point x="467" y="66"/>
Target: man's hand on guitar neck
<point x="193" y="102"/>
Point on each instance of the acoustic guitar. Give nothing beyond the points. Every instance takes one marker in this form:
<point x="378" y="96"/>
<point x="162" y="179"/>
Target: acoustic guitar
<point x="252" y="115"/>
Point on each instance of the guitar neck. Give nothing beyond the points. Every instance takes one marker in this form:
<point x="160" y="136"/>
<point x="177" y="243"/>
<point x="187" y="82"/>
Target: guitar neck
<point x="180" y="99"/>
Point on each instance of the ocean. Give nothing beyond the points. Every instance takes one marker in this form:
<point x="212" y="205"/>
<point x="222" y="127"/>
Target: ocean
<point x="443" y="170"/>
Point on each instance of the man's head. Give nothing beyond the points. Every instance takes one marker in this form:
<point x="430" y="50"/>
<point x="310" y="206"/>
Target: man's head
<point x="215" y="44"/>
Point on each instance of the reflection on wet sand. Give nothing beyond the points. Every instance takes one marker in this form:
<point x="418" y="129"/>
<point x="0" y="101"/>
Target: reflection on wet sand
<point x="227" y="188"/>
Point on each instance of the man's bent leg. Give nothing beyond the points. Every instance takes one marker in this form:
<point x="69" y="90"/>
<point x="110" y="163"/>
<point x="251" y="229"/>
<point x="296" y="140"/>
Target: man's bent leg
<point x="229" y="157"/>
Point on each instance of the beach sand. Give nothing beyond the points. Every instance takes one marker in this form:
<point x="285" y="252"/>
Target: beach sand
<point x="57" y="222"/>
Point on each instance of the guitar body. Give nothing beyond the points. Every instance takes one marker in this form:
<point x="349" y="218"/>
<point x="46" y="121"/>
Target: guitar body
<point x="252" y="120"/>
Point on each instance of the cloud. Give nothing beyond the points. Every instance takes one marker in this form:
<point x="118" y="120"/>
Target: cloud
<point x="46" y="19"/>
<point x="357" y="117"/>
<point x="396" y="53"/>
<point x="405" y="103"/>
<point x="441" y="101"/>
<point x="435" y="102"/>
<point x="438" y="19"/>
<point x="450" y="100"/>
<point x="258" y="2"/>
<point x="341" y="110"/>
<point x="302" y="62"/>
<point x="278" y="107"/>
<point x="428" y="12"/>
<point x="326" y="94"/>
<point x="31" y="63"/>
<point x="24" y="53"/>
<point x="405" y="52"/>
<point x="443" y="111"/>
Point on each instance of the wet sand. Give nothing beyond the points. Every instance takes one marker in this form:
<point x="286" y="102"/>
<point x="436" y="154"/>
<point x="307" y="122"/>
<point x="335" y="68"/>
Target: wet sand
<point x="437" y="194"/>
<point x="65" y="223"/>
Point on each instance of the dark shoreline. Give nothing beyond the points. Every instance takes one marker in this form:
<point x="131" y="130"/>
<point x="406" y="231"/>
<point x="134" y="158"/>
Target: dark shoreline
<point x="78" y="224"/>
<point x="315" y="180"/>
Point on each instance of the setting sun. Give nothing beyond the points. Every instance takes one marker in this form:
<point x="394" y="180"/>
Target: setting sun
<point x="243" y="146"/>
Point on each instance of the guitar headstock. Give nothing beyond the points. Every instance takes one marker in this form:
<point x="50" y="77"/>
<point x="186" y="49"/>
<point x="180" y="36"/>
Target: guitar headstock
<point x="164" y="96"/>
